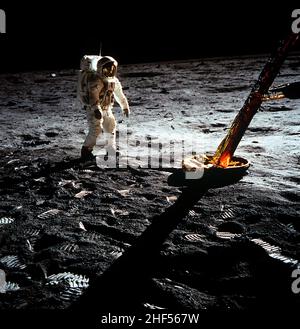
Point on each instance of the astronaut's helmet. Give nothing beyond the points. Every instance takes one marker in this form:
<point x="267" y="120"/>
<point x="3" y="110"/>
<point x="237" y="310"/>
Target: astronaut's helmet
<point x="107" y="67"/>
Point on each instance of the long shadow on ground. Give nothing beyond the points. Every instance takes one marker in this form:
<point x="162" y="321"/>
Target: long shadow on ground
<point x="122" y="287"/>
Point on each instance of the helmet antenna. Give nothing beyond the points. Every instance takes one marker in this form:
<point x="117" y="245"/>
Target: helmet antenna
<point x="100" y="48"/>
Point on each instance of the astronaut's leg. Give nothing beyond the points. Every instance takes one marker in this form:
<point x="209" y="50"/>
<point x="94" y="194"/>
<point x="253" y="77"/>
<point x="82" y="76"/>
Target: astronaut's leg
<point x="109" y="128"/>
<point x="95" y="120"/>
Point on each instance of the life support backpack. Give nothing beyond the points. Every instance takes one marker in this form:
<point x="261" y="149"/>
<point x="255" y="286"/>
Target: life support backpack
<point x="88" y="68"/>
<point x="89" y="63"/>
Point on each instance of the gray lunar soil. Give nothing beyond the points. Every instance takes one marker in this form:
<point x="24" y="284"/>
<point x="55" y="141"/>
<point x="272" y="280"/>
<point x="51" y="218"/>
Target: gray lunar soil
<point x="64" y="223"/>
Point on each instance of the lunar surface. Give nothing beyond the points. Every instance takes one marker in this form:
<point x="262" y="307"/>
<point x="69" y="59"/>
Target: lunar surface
<point x="74" y="234"/>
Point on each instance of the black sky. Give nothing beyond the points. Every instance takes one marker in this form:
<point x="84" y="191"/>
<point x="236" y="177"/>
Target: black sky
<point x="52" y="35"/>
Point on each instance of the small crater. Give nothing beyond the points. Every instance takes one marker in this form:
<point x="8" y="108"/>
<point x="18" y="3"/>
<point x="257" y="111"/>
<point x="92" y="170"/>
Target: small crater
<point x="51" y="134"/>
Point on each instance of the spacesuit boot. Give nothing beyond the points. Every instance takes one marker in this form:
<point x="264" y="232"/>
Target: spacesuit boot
<point x="86" y="154"/>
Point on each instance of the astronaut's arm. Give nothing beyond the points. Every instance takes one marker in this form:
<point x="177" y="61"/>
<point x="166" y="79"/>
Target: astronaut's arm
<point x="121" y="98"/>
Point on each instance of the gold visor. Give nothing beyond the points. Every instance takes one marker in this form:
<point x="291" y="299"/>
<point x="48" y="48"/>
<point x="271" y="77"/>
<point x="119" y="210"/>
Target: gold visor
<point x="109" y="70"/>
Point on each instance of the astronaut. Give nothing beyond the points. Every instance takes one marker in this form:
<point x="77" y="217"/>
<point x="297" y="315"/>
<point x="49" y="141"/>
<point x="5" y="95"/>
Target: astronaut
<point x="97" y="90"/>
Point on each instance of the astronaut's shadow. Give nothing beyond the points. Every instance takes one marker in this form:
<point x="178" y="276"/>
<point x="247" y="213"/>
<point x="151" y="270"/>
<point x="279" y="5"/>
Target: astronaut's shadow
<point x="79" y="163"/>
<point x="67" y="163"/>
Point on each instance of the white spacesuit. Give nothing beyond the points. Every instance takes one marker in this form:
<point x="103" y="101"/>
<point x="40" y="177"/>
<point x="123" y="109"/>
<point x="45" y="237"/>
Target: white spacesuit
<point x="98" y="87"/>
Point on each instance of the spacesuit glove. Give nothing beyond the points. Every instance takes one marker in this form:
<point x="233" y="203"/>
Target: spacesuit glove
<point x="98" y="114"/>
<point x="126" y="112"/>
